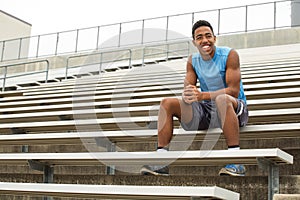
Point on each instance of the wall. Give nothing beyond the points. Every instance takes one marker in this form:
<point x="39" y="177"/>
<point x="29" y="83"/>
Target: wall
<point x="12" y="28"/>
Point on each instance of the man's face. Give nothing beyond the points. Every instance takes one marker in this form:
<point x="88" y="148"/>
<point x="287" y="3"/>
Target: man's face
<point x="204" y="40"/>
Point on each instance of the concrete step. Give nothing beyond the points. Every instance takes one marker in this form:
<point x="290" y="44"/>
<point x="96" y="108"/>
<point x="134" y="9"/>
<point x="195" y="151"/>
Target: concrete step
<point x="286" y="197"/>
<point x="250" y="187"/>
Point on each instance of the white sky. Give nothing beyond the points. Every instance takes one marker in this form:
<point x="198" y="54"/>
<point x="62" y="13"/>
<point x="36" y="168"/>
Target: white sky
<point x="61" y="15"/>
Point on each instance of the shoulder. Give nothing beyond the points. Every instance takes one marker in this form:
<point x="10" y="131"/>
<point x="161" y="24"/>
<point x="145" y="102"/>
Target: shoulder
<point x="195" y="55"/>
<point x="227" y="53"/>
<point x="223" y="51"/>
<point x="194" y="58"/>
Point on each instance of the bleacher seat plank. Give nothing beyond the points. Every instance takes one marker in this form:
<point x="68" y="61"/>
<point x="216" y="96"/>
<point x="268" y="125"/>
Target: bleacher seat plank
<point x="252" y="104"/>
<point x="117" y="191"/>
<point x="256" y="77"/>
<point x="291" y="77"/>
<point x="14" y="93"/>
<point x="129" y="112"/>
<point x="110" y="84"/>
<point x="250" y="131"/>
<point x="128" y="80"/>
<point x="90" y="95"/>
<point x="178" y="158"/>
<point x="177" y="84"/>
<point x="256" y="116"/>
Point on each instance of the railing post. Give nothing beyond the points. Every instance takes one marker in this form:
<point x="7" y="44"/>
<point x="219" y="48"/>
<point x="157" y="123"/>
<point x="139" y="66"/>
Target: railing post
<point x="167" y="28"/>
<point x="143" y="56"/>
<point x="3" y="48"/>
<point x="246" y="19"/>
<point x="275" y="15"/>
<point x="188" y="44"/>
<point x="130" y="58"/>
<point x="66" y="70"/>
<point x="167" y="46"/>
<point x="100" y="63"/>
<point x="143" y="29"/>
<point x="38" y="46"/>
<point x="47" y="71"/>
<point x="120" y="32"/>
<point x="193" y="18"/>
<point x="57" y="40"/>
<point x="4" y="78"/>
<point x="97" y="43"/>
<point x="219" y="19"/>
<point x="76" y="44"/>
<point x="20" y="47"/>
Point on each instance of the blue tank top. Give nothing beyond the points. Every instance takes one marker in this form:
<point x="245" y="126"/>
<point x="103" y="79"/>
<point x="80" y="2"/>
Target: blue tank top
<point x="211" y="73"/>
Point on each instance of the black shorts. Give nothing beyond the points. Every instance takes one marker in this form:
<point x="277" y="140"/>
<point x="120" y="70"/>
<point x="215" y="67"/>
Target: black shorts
<point x="205" y="116"/>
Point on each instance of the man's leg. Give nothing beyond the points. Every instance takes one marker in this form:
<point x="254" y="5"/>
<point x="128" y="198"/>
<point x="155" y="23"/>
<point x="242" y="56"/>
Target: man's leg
<point x="170" y="107"/>
<point x="226" y="106"/>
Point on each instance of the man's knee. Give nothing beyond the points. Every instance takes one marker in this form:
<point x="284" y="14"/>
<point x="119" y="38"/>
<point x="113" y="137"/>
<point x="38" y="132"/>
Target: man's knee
<point x="169" y="103"/>
<point x="165" y="102"/>
<point x="225" y="101"/>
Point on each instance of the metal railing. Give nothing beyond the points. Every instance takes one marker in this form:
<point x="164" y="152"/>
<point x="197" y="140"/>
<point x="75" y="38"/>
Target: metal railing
<point x="167" y="51"/>
<point x="90" y="63"/>
<point x="225" y="21"/>
<point x="6" y="67"/>
<point x="96" y="60"/>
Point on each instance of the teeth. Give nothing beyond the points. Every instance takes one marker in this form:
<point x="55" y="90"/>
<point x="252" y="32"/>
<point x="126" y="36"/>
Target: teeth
<point x="205" y="47"/>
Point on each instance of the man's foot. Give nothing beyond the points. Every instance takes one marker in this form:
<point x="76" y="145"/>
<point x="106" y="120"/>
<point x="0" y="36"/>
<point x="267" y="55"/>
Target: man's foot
<point x="233" y="170"/>
<point x="155" y="170"/>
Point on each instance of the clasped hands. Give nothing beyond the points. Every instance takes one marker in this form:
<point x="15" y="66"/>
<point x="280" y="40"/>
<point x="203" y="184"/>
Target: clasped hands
<point x="191" y="94"/>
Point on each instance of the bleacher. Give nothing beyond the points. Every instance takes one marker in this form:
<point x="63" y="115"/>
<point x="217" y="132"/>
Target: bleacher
<point x="88" y="136"/>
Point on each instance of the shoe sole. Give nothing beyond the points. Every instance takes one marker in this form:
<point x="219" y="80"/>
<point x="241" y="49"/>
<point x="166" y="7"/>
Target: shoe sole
<point x="145" y="171"/>
<point x="224" y="172"/>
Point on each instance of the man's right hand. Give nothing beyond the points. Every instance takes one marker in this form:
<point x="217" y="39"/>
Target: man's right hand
<point x="191" y="94"/>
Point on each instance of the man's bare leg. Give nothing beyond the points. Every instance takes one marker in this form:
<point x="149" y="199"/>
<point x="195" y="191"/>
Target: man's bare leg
<point x="226" y="106"/>
<point x="170" y="107"/>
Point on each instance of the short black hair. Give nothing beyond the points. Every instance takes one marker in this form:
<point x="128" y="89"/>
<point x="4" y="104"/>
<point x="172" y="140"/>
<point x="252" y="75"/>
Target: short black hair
<point x="201" y="23"/>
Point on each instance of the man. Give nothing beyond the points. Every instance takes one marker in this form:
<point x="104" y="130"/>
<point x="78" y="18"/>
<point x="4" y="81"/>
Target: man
<point x="220" y="102"/>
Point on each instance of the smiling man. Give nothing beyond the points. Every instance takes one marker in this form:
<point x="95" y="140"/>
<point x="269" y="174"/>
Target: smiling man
<point x="219" y="102"/>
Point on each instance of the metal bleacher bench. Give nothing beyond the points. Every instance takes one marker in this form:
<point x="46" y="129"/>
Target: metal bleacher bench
<point x="49" y="120"/>
<point x="118" y="191"/>
<point x="269" y="159"/>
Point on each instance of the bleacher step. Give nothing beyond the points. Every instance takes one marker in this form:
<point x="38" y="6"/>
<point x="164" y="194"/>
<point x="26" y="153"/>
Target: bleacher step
<point x="249" y="187"/>
<point x="286" y="197"/>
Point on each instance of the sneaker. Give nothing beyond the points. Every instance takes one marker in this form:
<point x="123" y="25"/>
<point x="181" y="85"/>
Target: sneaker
<point x="155" y="170"/>
<point x="233" y="170"/>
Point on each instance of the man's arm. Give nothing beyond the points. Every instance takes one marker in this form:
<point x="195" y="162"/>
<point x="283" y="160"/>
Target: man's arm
<point x="190" y="77"/>
<point x="233" y="74"/>
<point x="189" y="81"/>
